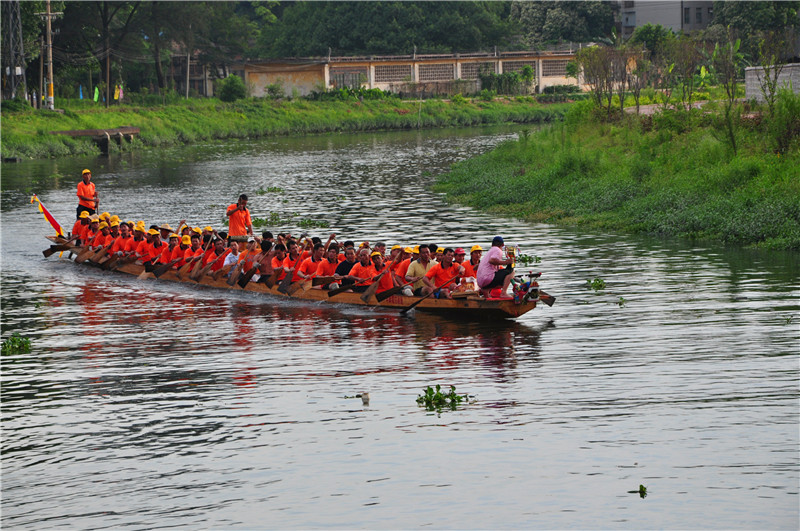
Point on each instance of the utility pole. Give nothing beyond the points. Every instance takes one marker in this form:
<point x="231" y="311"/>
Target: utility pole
<point x="48" y="16"/>
<point x="12" y="33"/>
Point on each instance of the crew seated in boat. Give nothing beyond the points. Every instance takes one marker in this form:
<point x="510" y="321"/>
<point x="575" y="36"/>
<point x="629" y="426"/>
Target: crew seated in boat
<point x="443" y="275"/>
<point x="417" y="271"/>
<point x="100" y="238"/>
<point x="156" y="246"/>
<point x="489" y="275"/>
<point x="179" y="252"/>
<point x="122" y="242"/>
<point x="264" y="261"/>
<point x="278" y="259"/>
<point x="173" y="242"/>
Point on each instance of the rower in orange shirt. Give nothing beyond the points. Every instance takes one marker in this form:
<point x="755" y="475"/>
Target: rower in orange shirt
<point x="327" y="266"/>
<point x="309" y="266"/>
<point x="180" y="251"/>
<point x="133" y="243"/>
<point x="80" y="225"/>
<point x="293" y="260"/>
<point x="101" y="237"/>
<point x="278" y="259"/>
<point x="194" y="250"/>
<point x="442" y="274"/>
<point x="386" y="281"/>
<point x="169" y="250"/>
<point x="363" y="271"/>
<point x="458" y="258"/>
<point x="156" y="246"/>
<point x="121" y="242"/>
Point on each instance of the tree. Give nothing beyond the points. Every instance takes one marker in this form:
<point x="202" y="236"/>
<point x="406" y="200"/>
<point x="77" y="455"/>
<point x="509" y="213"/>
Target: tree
<point x="726" y="61"/>
<point x="639" y="77"/>
<point x="596" y="63"/>
<point x="774" y="47"/>
<point x="748" y="18"/>
<point x="557" y="21"/>
<point x="653" y="37"/>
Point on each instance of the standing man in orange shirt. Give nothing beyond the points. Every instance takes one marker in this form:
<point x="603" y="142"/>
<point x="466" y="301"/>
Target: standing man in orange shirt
<point x="239" y="223"/>
<point x="87" y="195"/>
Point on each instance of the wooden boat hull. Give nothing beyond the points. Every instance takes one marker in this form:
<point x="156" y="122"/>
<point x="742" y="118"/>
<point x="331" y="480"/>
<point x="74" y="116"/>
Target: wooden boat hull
<point x="467" y="307"/>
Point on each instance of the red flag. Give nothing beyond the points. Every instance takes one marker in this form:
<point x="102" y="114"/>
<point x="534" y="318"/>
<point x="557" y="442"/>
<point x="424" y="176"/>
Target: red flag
<point x="48" y="216"/>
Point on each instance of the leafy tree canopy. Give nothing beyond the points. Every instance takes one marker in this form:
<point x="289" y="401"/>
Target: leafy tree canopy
<point x="557" y="21"/>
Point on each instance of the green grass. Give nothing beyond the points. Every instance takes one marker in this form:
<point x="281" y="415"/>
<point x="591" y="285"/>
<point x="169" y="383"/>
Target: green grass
<point x="629" y="177"/>
<point x="26" y="133"/>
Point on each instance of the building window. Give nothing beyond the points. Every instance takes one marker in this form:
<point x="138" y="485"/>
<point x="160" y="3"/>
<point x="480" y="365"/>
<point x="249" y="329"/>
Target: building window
<point x="554" y="67"/>
<point x="471" y="70"/>
<point x="516" y="66"/>
<point x="710" y="14"/>
<point x="389" y="73"/>
<point x="436" y="72"/>
<point x="699" y="15"/>
<point x="687" y="15"/>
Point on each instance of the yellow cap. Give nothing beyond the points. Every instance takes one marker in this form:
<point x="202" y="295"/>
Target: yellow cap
<point x="105" y="215"/>
<point x="186" y="240"/>
<point x="114" y="224"/>
<point x="103" y="225"/>
<point x="415" y="249"/>
<point x="153" y="231"/>
<point x="209" y="228"/>
<point x="115" y="218"/>
<point x="86" y="171"/>
<point x="375" y="253"/>
<point x="131" y="223"/>
<point x="365" y="244"/>
<point x="476" y="248"/>
<point x="180" y="229"/>
<point x="84" y="214"/>
<point x="173" y="235"/>
<point x="94" y="218"/>
<point x="198" y="230"/>
<point x="440" y="249"/>
<point x="396" y="247"/>
<point x="408" y="250"/>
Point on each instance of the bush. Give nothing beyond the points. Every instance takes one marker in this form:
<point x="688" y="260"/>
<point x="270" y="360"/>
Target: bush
<point x="458" y="99"/>
<point x="275" y="91"/>
<point x="561" y="89"/>
<point x="231" y="88"/>
<point x="783" y="125"/>
<point x="488" y="95"/>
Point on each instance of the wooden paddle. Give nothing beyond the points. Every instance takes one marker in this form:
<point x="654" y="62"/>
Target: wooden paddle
<point x="247" y="276"/>
<point x="303" y="284"/>
<point x="273" y="277"/>
<point x="56" y="249"/>
<point x="235" y="273"/>
<point x="197" y="276"/>
<point x="545" y="298"/>
<point x="84" y="255"/>
<point x="321" y="281"/>
<point x="370" y="291"/>
<point x="121" y="262"/>
<point x="287" y="281"/>
<point x="188" y="265"/>
<point x="160" y="270"/>
<point x="382" y="296"/>
<point x="408" y="308"/>
<point x="222" y="270"/>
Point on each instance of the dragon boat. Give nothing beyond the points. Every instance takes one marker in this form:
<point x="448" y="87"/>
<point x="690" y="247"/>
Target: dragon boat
<point x="470" y="305"/>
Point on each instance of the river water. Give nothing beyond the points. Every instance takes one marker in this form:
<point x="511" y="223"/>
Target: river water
<point x="146" y="404"/>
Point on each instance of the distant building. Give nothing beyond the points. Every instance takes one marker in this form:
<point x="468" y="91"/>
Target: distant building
<point x="679" y="16"/>
<point x="424" y="74"/>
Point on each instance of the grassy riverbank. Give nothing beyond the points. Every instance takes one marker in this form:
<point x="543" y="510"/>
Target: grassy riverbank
<point x="641" y="175"/>
<point x="26" y="133"/>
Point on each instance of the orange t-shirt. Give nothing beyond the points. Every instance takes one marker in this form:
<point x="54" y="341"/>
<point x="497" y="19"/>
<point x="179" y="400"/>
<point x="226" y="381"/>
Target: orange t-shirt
<point x="289" y="263"/>
<point x="76" y="228"/>
<point x="119" y="244"/>
<point x="309" y="267"/>
<point x="101" y="239"/>
<point x="166" y="255"/>
<point x="402" y="269"/>
<point x="385" y="281"/>
<point x="277" y="263"/>
<point x="469" y="269"/>
<point x="238" y="221"/>
<point x="177" y="252"/>
<point x="86" y="190"/>
<point x="155" y="252"/>
<point x="440" y="275"/>
<point x="218" y="265"/>
<point x="189" y="253"/>
<point x="361" y="271"/>
<point x="131" y="244"/>
<point x="143" y="249"/>
<point x="326" y="269"/>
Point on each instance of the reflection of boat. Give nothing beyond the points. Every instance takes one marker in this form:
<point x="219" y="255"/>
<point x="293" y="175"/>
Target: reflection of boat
<point x="471" y="307"/>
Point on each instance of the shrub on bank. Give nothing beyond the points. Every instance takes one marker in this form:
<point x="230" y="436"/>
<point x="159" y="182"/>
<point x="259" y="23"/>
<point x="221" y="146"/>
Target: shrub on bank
<point x="614" y="175"/>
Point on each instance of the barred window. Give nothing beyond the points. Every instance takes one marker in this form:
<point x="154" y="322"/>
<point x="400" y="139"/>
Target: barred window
<point x="471" y="70"/>
<point x="516" y="66"/>
<point x="389" y="73"/>
<point x="437" y="72"/>
<point x="555" y="67"/>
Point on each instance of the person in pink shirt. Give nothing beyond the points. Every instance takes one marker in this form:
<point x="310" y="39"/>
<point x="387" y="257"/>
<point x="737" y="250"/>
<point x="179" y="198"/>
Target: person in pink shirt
<point x="490" y="275"/>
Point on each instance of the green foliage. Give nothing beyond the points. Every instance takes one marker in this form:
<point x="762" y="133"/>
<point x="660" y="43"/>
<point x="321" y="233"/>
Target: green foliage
<point x="308" y="223"/>
<point x="596" y="284"/>
<point x="654" y="37"/>
<point x="562" y="21"/>
<point x="507" y="83"/>
<point x="436" y="400"/>
<point x="275" y="91"/>
<point x="458" y="99"/>
<point x="667" y="180"/>
<point x="351" y="94"/>
<point x="231" y="88"/>
<point x="561" y="89"/>
<point x="487" y="95"/>
<point x="783" y="124"/>
<point x="526" y="259"/>
<point x="16" y="344"/>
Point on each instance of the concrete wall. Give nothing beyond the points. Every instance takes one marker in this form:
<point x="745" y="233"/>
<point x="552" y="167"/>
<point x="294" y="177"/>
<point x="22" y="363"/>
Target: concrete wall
<point x="300" y="79"/>
<point x="790" y="76"/>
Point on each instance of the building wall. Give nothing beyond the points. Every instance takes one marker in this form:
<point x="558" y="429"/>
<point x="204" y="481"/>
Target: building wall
<point x="300" y="79"/>
<point x="789" y="77"/>
<point x="671" y="14"/>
